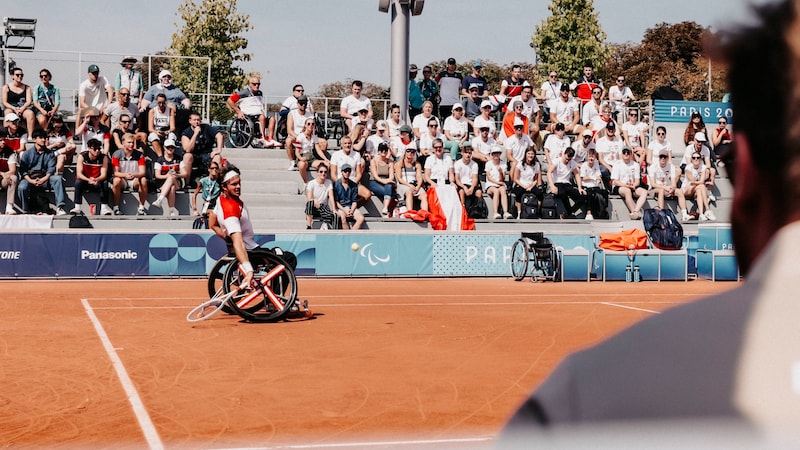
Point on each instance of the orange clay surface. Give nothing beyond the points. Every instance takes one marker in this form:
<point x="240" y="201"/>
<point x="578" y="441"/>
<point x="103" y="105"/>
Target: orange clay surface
<point x="383" y="360"/>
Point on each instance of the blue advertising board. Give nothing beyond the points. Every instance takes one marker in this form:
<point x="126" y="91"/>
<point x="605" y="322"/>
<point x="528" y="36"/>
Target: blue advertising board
<point x="681" y="111"/>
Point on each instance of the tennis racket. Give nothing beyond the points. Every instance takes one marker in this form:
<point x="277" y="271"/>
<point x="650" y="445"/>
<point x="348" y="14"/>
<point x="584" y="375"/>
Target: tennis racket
<point x="211" y="306"/>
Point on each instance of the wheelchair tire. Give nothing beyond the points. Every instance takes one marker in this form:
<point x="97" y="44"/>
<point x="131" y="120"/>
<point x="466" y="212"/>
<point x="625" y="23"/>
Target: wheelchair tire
<point x="284" y="286"/>
<point x="520" y="259"/>
<point x="241" y="132"/>
<point x="281" y="132"/>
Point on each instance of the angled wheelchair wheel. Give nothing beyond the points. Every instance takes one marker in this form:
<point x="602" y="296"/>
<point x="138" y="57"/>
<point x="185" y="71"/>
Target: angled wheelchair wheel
<point x="241" y="132"/>
<point x="281" y="132"/>
<point x="519" y="259"/>
<point x="215" y="279"/>
<point x="270" y="300"/>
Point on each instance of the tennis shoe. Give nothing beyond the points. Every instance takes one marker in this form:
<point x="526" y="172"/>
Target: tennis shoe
<point x="497" y="216"/>
<point x="141" y="211"/>
<point x="117" y="212"/>
<point x="703" y="217"/>
<point x="60" y="211"/>
<point x="712" y="197"/>
<point x="10" y="210"/>
<point x="105" y="210"/>
<point x="589" y="216"/>
<point x="75" y="210"/>
<point x="710" y="215"/>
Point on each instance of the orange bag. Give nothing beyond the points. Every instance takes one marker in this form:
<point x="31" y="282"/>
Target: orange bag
<point x="624" y="239"/>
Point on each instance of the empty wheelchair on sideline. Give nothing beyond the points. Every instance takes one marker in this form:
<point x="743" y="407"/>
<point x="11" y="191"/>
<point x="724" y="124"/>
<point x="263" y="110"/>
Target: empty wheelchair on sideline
<point x="536" y="255"/>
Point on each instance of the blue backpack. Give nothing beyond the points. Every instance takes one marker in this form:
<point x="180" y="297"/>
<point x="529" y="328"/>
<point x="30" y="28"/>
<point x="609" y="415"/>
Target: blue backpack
<point x="663" y="228"/>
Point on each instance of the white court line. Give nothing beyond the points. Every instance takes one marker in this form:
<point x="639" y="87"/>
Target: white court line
<point x="382" y="444"/>
<point x="630" y="307"/>
<point x="149" y="430"/>
<point x="524" y="295"/>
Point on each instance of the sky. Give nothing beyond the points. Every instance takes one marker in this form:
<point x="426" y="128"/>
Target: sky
<point x="314" y="42"/>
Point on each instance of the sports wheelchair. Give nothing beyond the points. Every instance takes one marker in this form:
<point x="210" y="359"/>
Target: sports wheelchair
<point x="245" y="132"/>
<point x="535" y="254"/>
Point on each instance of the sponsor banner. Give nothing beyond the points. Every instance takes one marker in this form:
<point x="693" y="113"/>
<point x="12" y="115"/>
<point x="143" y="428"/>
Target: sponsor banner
<point x="681" y="111"/>
<point x="374" y="254"/>
<point x="472" y="254"/>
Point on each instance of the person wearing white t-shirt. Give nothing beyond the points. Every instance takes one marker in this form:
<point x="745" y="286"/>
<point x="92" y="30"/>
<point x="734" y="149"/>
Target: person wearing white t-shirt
<point x="420" y="122"/>
<point x="295" y="124"/>
<point x="346" y="156"/>
<point x="565" y="109"/>
<point x="527" y="179"/>
<point x="482" y="148"/>
<point x="426" y="137"/>
<point x="484" y="119"/>
<point x="634" y="135"/>
<point x="549" y="91"/>
<point x="439" y="166"/>
<point x="582" y="147"/>
<point x="465" y="173"/>
<point x="394" y="122"/>
<point x="663" y="179"/>
<point x="592" y="182"/>
<point x="319" y="199"/>
<point x="456" y="130"/>
<point x="699" y="145"/>
<point x="517" y="144"/>
<point x="694" y="185"/>
<point x="609" y="148"/>
<point x="659" y="144"/>
<point x="496" y="184"/>
<point x="380" y="136"/>
<point x="309" y="149"/>
<point x="556" y="144"/>
<point x="620" y="95"/>
<point x="353" y="103"/>
<point x="625" y="176"/>
<point x="559" y="179"/>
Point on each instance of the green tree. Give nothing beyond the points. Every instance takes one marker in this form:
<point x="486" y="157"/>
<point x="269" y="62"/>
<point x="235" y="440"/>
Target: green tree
<point x="570" y="37"/>
<point x="211" y="28"/>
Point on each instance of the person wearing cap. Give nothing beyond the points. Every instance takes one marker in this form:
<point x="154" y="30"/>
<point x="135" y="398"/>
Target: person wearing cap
<point x="456" y="131"/>
<point x="288" y="105"/>
<point x="559" y="179"/>
<point x="430" y="88"/>
<point x="472" y="104"/>
<point x="517" y="145"/>
<point x="95" y="91"/>
<point x="91" y="127"/>
<point x="695" y="125"/>
<point x="583" y="145"/>
<point x="625" y="181"/>
<point x="8" y="172"/>
<point x="18" y="99"/>
<point x="700" y="144"/>
<point x="496" y="183"/>
<point x="91" y="174"/>
<point x="174" y="95"/>
<point x="161" y="124"/>
<point x="345" y="192"/>
<point x="249" y="102"/>
<point x="585" y="84"/>
<point x="129" y="172"/>
<point x="403" y="141"/>
<point x="46" y="99"/>
<point x="482" y="148"/>
<point x="170" y="171"/>
<point x="609" y="148"/>
<point x="15" y="138"/>
<point x="131" y="79"/>
<point x="565" y="109"/>
<point x="465" y="175"/>
<point x="363" y="118"/>
<point x="420" y="122"/>
<point x="37" y="168"/>
<point x="295" y="125"/>
<point x="555" y="144"/>
<point x="512" y="85"/>
<point x="449" y="81"/>
<point x="415" y="97"/>
<point x="475" y="79"/>
<point x="530" y="109"/>
<point x="381" y="136"/>
<point x="484" y="119"/>
<point x="663" y="179"/>
<point x="60" y="141"/>
<point x="353" y="103"/>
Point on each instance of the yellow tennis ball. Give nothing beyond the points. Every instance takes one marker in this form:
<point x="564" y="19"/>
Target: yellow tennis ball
<point x="355" y="247"/>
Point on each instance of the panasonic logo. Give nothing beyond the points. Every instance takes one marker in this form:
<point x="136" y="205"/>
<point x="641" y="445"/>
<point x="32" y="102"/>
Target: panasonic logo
<point x="10" y="254"/>
<point x="130" y="254"/>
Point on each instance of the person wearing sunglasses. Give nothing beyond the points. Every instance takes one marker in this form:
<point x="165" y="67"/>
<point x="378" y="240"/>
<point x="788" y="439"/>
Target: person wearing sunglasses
<point x="111" y="115"/>
<point x="60" y="141"/>
<point x="663" y="178"/>
<point x="694" y="185"/>
<point x="18" y="99"/>
<point x="319" y="200"/>
<point x="131" y="79"/>
<point x="721" y="137"/>
<point x="175" y="96"/>
<point x="660" y="143"/>
<point x="699" y="145"/>
<point x="620" y="95"/>
<point x="249" y="102"/>
<point x="625" y="181"/>
<point x="46" y="99"/>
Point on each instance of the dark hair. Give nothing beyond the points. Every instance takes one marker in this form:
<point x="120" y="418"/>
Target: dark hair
<point x="296" y="86"/>
<point x="161" y="95"/>
<point x="383" y="146"/>
<point x="46" y="72"/>
<point x="569" y="152"/>
<point x="38" y="133"/>
<point x="357" y="83"/>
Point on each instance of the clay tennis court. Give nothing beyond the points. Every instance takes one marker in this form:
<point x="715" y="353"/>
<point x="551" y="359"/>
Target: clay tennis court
<point x="385" y="362"/>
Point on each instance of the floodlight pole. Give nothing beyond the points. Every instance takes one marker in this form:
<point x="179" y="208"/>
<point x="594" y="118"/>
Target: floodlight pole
<point x="401" y="10"/>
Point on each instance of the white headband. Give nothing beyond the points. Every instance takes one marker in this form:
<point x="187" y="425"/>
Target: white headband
<point x="228" y="175"/>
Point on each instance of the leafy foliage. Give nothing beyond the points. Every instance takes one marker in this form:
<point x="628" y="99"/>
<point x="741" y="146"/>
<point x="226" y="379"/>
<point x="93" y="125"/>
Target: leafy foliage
<point x="212" y="29"/>
<point x="570" y="37"/>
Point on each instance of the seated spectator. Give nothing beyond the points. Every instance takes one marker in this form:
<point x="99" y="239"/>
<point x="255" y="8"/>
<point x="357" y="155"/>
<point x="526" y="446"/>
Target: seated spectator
<point x="129" y="173"/>
<point x="512" y="117"/>
<point x="115" y="143"/>
<point x="482" y="148"/>
<point x="359" y="135"/>
<point x="591" y="108"/>
<point x="288" y="105"/>
<point x="496" y="184"/>
<point x="634" y="134"/>
<point x="46" y="99"/>
<point x="320" y="200"/>
<point x="620" y="96"/>
<point x="309" y="150"/>
<point x="625" y="178"/>
<point x="8" y="172"/>
<point x="472" y="105"/>
<point x="249" y="102"/>
<point x="209" y="189"/>
<point x="530" y="109"/>
<point x="592" y="182"/>
<point x="380" y="137"/>
<point x="721" y="137"/>
<point x="420" y="122"/>
<point x="198" y="141"/>
<point x="60" y="142"/>
<point x="439" y="166"/>
<point x="699" y="146"/>
<point x="485" y="119"/>
<point x="170" y="171"/>
<point x="346" y="156"/>
<point x="354" y="103"/>
<point x="695" y="125"/>
<point x="518" y="144"/>
<point x="609" y="148"/>
<point x="659" y="144"/>
<point x="408" y="173"/>
<point x="37" y="168"/>
<point x="582" y="147"/>
<point x="599" y="123"/>
<point x="17" y="99"/>
<point x="110" y="115"/>
<point x="465" y="172"/>
<point x="394" y="122"/>
<point x="94" y="92"/>
<point x="161" y="124"/>
<point x="363" y="118"/>
<point x="456" y="131"/>
<point x="92" y="128"/>
<point x="295" y="125"/>
<point x="663" y="178"/>
<point x="565" y="109"/>
<point x="694" y="185"/>
<point x="402" y="142"/>
<point x="381" y="180"/>
<point x="559" y="179"/>
<point x="427" y="137"/>
<point x="16" y="139"/>
<point x="345" y="192"/>
<point x="587" y="83"/>
<point x="527" y="179"/>
<point x="556" y="144"/>
<point x="175" y="97"/>
<point x="91" y="174"/>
